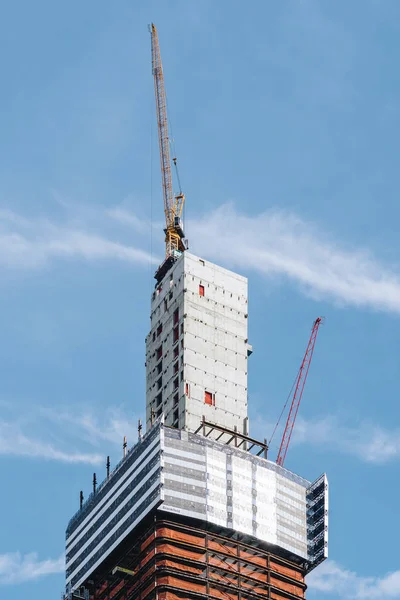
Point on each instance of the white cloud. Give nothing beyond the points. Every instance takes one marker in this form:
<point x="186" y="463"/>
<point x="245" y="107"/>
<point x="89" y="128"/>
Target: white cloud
<point x="14" y="442"/>
<point x="111" y="427"/>
<point x="128" y="218"/>
<point x="330" y="578"/>
<point x="274" y="244"/>
<point x="17" y="568"/>
<point x="84" y="431"/>
<point x="281" y="244"/>
<point x="33" y="243"/>
<point x="364" y="440"/>
<point x="367" y="441"/>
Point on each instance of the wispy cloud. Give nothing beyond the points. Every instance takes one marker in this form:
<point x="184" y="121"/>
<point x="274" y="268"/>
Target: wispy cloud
<point x="364" y="440"/>
<point x="128" y="218"/>
<point x="330" y="578"/>
<point x="275" y="244"/>
<point x="50" y="435"/>
<point x="33" y="243"/>
<point x="111" y="427"/>
<point x="278" y="244"/>
<point x="17" y="568"/>
<point x="14" y="442"/>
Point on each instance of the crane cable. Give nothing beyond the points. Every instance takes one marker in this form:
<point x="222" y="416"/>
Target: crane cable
<point x="284" y="408"/>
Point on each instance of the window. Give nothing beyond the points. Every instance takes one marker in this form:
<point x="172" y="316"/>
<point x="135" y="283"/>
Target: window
<point x="209" y="398"/>
<point x="175" y="416"/>
<point x="181" y="374"/>
<point x="159" y="352"/>
<point x="176" y="316"/>
<point x="176" y="384"/>
<point x="165" y="305"/>
<point x="154" y="336"/>
<point x="158" y="290"/>
<point x="176" y="367"/>
<point x="159" y="383"/>
<point x="201" y="290"/>
<point x="159" y="330"/>
<point x="176" y="400"/>
<point x="158" y="399"/>
<point x="176" y="334"/>
<point x="159" y="367"/>
<point x="181" y="328"/>
<point x="187" y="390"/>
<point x="176" y="352"/>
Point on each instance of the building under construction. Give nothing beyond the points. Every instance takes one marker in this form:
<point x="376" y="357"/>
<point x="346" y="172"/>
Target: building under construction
<point x="196" y="509"/>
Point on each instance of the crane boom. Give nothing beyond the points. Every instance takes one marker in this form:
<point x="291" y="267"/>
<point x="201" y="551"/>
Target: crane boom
<point x="298" y="393"/>
<point x="173" y="205"/>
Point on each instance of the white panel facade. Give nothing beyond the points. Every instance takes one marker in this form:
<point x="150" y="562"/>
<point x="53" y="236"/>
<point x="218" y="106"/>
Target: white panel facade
<point x="246" y="493"/>
<point x="197" y="348"/>
<point x="133" y="489"/>
<point x="179" y="472"/>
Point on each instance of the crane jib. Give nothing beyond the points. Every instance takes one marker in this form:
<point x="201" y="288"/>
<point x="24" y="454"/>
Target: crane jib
<point x="173" y="205"/>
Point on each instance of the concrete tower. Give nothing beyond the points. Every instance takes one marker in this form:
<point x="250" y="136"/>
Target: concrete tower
<point x="197" y="349"/>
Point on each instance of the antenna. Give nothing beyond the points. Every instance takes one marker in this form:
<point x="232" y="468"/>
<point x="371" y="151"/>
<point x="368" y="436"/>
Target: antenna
<point x="80" y="500"/>
<point x="94" y="483"/>
<point x="139" y="429"/>
<point x="108" y="466"/>
<point x="124" y="445"/>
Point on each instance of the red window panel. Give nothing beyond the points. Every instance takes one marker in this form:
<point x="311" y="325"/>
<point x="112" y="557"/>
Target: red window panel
<point x="201" y="290"/>
<point x="176" y="316"/>
<point x="176" y="333"/>
<point x="187" y="391"/>
<point x="159" y="352"/>
<point x="209" y="398"/>
<point x="159" y="329"/>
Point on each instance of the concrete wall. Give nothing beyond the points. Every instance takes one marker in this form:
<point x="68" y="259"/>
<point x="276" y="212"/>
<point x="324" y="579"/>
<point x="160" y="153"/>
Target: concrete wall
<point x="208" y="355"/>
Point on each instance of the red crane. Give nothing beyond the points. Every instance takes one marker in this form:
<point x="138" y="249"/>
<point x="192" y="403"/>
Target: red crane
<point x="298" y="393"/>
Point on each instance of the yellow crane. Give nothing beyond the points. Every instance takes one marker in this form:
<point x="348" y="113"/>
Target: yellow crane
<point x="173" y="203"/>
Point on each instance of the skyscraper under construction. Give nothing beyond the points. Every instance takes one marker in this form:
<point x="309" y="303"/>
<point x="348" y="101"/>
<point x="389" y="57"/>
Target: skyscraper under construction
<point x="196" y="509"/>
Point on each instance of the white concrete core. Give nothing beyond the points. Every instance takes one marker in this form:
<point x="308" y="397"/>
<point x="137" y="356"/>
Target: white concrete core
<point x="197" y="348"/>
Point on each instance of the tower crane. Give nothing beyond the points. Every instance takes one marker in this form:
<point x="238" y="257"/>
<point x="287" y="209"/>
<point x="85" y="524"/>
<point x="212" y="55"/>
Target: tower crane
<point x="173" y="203"/>
<point x="298" y="393"/>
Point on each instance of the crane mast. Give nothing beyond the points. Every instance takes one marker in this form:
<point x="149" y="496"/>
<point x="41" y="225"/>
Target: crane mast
<point x="173" y="204"/>
<point x="298" y="393"/>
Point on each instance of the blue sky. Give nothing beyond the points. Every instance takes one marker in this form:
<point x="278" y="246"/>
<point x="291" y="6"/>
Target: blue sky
<point x="285" y="117"/>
